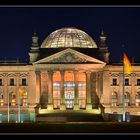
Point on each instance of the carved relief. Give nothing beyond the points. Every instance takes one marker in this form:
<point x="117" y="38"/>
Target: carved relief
<point x="137" y="74"/>
<point x="114" y="74"/>
<point x="128" y="89"/>
<point x="119" y="74"/>
<point x="68" y="57"/>
<point x="23" y="75"/>
<point x="11" y="90"/>
<point x="11" y="75"/>
<point x="2" y="75"/>
<point x="128" y="75"/>
<point x="134" y="74"/>
<point x="115" y="89"/>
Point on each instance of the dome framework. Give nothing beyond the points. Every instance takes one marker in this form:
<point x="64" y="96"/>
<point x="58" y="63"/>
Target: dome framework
<point x="69" y="38"/>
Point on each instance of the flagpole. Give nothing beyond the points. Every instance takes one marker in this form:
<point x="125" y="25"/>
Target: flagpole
<point x="126" y="69"/>
<point x="123" y="95"/>
<point x="8" y="107"/>
<point x="18" y="107"/>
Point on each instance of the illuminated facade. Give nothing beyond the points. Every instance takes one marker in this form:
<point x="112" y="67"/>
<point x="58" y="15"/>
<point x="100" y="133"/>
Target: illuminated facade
<point x="67" y="72"/>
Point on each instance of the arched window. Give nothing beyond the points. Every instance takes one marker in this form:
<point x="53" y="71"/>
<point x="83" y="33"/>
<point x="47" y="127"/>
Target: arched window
<point x="12" y="99"/>
<point x="114" y="98"/>
<point x="1" y="99"/>
<point x="1" y="95"/>
<point x="127" y="99"/>
<point x="24" y="99"/>
<point x="138" y="99"/>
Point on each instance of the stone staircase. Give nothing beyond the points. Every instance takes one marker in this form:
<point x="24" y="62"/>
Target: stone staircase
<point x="69" y="116"/>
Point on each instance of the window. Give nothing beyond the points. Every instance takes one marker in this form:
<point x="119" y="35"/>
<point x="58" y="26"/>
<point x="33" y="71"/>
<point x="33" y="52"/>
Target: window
<point x="24" y="99"/>
<point x="82" y="95"/>
<point x="127" y="99"/>
<point x="1" y="99"/>
<point x="56" y="104"/>
<point x="1" y="102"/>
<point x="82" y="90"/>
<point x="0" y="82"/>
<point x="114" y="81"/>
<point x="56" y="90"/>
<point x="138" y="99"/>
<point x="56" y="95"/>
<point x="114" y="99"/>
<point x="12" y="99"/>
<point x="126" y="82"/>
<point x="69" y="90"/>
<point x="11" y="82"/>
<point x="24" y="82"/>
<point x="13" y="96"/>
<point x="138" y="95"/>
<point x="114" y="95"/>
<point x="127" y="95"/>
<point x="138" y="82"/>
<point x="1" y="95"/>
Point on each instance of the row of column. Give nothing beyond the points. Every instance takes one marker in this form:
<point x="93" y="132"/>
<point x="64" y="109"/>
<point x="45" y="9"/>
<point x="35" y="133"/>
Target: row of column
<point x="50" y="86"/>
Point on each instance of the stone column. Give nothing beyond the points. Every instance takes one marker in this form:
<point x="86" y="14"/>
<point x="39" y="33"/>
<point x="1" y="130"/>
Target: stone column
<point x="98" y="84"/>
<point x="95" y="98"/>
<point x="38" y="85"/>
<point x="76" y="107"/>
<point x="44" y="90"/>
<point x="62" y="101"/>
<point x="62" y="87"/>
<point x="100" y="90"/>
<point x="106" y="91"/>
<point x="76" y="87"/>
<point x="88" y="90"/>
<point x="50" y="90"/>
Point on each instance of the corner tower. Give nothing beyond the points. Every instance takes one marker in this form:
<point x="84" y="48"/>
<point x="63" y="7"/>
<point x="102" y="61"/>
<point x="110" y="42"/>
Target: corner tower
<point x="34" y="52"/>
<point x="103" y="49"/>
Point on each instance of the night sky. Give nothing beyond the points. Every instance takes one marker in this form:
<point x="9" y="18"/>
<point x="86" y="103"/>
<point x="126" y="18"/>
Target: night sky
<point x="120" y="24"/>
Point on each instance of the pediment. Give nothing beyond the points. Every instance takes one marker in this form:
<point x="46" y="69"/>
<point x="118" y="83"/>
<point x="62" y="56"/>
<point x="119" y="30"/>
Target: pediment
<point x="68" y="56"/>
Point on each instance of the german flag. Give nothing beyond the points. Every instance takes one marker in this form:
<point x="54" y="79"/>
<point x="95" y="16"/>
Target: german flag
<point x="127" y="64"/>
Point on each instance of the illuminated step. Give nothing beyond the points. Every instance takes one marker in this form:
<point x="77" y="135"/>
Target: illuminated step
<point x="93" y="111"/>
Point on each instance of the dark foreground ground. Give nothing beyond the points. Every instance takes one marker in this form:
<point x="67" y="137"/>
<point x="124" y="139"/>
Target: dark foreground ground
<point x="96" y="127"/>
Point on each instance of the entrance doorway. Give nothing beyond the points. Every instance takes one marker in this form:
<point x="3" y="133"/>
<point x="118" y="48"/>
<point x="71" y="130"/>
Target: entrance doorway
<point x="69" y="104"/>
<point x="69" y="95"/>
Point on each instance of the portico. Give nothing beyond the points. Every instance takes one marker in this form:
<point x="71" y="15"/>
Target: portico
<point x="66" y="89"/>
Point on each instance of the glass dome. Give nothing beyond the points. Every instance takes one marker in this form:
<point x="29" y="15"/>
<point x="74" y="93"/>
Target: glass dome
<point x="68" y="37"/>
